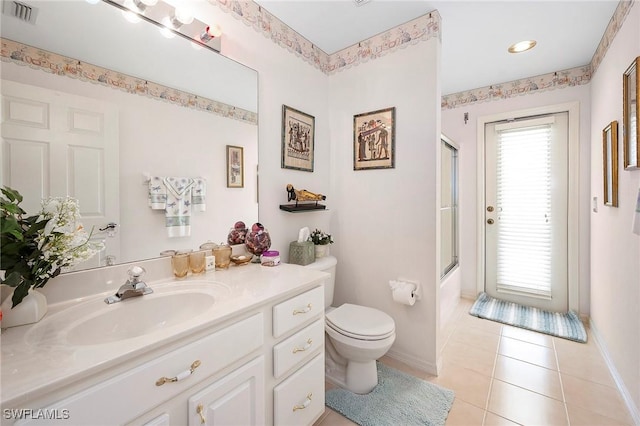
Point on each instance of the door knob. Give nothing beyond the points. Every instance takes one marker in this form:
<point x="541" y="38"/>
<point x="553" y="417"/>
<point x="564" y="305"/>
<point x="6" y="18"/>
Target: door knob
<point x="490" y="221"/>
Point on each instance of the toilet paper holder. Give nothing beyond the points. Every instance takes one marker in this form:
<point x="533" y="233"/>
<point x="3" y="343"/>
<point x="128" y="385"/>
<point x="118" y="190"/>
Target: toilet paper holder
<point x="417" y="291"/>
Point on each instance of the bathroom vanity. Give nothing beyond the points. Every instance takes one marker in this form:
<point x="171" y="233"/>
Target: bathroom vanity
<point x="240" y="346"/>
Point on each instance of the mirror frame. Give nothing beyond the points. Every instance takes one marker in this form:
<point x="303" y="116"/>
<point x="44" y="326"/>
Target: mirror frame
<point x="631" y="118"/>
<point x="610" y="163"/>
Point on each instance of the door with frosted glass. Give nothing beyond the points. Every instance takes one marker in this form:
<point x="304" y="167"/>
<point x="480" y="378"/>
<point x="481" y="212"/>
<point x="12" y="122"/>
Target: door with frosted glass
<point x="526" y="197"/>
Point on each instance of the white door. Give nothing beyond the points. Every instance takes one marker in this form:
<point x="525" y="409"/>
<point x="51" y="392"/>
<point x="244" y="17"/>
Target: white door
<point x="54" y="145"/>
<point x="526" y="198"/>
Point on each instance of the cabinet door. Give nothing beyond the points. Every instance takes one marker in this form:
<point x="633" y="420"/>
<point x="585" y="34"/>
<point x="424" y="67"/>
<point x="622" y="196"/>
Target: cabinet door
<point x="236" y="399"/>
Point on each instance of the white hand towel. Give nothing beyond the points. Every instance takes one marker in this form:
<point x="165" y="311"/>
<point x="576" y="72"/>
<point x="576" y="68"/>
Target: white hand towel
<point x="198" y="194"/>
<point x="178" y="207"/>
<point x="157" y="193"/>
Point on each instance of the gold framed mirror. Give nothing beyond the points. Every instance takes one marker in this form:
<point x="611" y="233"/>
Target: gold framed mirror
<point x="610" y="162"/>
<point x="631" y="116"/>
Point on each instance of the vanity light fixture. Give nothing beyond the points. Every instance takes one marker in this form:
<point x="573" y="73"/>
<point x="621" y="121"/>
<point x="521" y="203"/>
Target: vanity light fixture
<point x="210" y="32"/>
<point x="167" y="32"/>
<point x="131" y="16"/>
<point x="522" y="46"/>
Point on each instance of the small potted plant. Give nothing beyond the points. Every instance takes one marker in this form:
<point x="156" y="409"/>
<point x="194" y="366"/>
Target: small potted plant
<point x="321" y="241"/>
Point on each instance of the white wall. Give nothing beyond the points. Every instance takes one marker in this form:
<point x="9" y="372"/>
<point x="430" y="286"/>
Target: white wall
<point x="615" y="251"/>
<point x="385" y="220"/>
<point x="466" y="136"/>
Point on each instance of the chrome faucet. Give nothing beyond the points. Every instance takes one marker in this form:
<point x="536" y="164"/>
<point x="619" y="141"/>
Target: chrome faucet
<point x="132" y="288"/>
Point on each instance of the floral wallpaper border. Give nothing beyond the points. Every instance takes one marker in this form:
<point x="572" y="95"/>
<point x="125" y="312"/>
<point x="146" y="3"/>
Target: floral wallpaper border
<point x="526" y="86"/>
<point x="420" y="29"/>
<point x="53" y="63"/>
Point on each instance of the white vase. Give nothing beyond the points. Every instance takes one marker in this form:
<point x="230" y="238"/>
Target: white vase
<point x="322" y="250"/>
<point x="30" y="310"/>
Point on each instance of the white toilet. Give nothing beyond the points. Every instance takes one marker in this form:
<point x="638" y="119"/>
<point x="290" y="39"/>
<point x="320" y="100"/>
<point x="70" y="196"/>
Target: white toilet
<point x="357" y="337"/>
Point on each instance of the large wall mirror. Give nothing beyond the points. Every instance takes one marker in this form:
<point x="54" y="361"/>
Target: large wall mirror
<point x="80" y="129"/>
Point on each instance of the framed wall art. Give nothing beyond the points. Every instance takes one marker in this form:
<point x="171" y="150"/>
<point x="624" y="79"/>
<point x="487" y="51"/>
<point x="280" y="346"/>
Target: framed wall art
<point x="610" y="163"/>
<point x="631" y="116"/>
<point x="298" y="131"/>
<point x="374" y="139"/>
<point x="235" y="166"/>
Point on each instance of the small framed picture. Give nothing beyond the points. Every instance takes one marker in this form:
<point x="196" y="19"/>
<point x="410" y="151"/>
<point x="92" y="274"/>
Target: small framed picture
<point x="631" y="116"/>
<point x="235" y="166"/>
<point x="610" y="164"/>
<point x="374" y="139"/>
<point x="298" y="142"/>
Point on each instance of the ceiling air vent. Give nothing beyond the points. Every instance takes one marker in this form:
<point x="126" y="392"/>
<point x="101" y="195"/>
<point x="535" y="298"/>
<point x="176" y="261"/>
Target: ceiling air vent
<point x="20" y="10"/>
<point x="361" y="2"/>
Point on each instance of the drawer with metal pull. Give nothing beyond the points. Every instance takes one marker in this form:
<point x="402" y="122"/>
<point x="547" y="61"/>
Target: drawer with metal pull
<point x="297" y="311"/>
<point x="299" y="399"/>
<point x="298" y="348"/>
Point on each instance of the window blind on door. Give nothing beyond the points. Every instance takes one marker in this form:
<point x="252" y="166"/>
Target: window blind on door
<point x="524" y="209"/>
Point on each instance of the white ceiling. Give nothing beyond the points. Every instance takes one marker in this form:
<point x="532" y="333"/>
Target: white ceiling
<point x="475" y="34"/>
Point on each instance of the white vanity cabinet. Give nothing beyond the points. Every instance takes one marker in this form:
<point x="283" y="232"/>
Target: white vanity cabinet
<point x="261" y="364"/>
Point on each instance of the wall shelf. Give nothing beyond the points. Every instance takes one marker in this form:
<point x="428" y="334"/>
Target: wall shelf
<point x="293" y="208"/>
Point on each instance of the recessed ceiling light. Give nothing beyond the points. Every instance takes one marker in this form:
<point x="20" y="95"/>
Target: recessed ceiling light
<point x="522" y="46"/>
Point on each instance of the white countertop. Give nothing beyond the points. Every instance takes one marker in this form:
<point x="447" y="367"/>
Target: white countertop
<point x="37" y="359"/>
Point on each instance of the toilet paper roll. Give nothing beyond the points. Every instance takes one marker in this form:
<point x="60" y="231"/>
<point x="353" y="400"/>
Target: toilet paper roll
<point x="404" y="295"/>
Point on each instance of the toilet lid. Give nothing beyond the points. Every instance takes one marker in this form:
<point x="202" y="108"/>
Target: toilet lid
<point x="360" y="322"/>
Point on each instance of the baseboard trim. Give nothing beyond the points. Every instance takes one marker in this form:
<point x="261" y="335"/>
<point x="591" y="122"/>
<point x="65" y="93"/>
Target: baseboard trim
<point x="626" y="396"/>
<point x="468" y="294"/>
<point x="414" y="362"/>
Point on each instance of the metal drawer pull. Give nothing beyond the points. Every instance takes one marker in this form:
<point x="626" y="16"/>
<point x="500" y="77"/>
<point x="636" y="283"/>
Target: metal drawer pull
<point x="307" y="309"/>
<point x="305" y="405"/>
<point x="162" y="380"/>
<point x="200" y="410"/>
<point x="304" y="348"/>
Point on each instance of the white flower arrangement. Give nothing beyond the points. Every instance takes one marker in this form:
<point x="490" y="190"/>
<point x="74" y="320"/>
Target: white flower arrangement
<point x="37" y="248"/>
<point x="319" y="237"/>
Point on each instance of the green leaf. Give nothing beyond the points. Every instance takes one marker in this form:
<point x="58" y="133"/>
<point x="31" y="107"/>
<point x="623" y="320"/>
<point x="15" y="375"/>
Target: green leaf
<point x="11" y="194"/>
<point x="20" y="293"/>
<point x="13" y="279"/>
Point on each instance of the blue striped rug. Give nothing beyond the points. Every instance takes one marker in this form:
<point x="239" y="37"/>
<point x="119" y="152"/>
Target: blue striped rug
<point x="567" y="326"/>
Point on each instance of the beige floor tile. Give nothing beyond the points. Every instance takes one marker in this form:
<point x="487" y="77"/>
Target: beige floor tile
<point x="588" y="366"/>
<point x="483" y="324"/>
<point x="478" y="338"/>
<point x="468" y="385"/>
<point x="578" y="416"/>
<point x="464" y="414"/>
<point x="601" y="399"/>
<point x="333" y="418"/>
<point x="323" y="416"/>
<point x="529" y="376"/>
<point x="525" y="407"/>
<point x="527" y="336"/>
<point x="469" y="356"/>
<point x="491" y="419"/>
<point x="528" y="352"/>
<point x="576" y="348"/>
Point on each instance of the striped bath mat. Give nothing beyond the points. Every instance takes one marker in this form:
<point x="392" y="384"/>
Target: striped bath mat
<point x="567" y="326"/>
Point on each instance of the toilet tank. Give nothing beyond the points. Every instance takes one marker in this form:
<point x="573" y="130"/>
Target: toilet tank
<point x="326" y="264"/>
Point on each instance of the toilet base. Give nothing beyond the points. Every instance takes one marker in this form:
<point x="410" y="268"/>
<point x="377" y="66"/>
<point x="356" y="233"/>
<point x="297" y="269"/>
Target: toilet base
<point x="361" y="377"/>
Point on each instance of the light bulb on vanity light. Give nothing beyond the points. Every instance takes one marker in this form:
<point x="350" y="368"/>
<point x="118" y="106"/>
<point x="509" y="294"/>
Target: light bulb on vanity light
<point x="180" y="17"/>
<point x="209" y="33"/>
<point x="142" y="5"/>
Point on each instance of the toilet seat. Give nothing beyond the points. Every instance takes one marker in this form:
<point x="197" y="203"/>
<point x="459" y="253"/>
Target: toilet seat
<point x="360" y="322"/>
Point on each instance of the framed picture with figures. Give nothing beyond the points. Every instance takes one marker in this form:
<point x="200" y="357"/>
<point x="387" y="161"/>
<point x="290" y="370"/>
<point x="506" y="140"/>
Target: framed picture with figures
<point x="235" y="167"/>
<point x="298" y="139"/>
<point x="374" y="139"/>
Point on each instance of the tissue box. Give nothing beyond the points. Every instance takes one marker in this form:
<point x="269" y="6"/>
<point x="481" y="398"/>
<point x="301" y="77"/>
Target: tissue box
<point x="301" y="253"/>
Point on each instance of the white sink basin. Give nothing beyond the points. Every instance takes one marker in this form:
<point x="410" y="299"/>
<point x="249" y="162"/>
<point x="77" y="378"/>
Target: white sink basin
<point x="95" y="322"/>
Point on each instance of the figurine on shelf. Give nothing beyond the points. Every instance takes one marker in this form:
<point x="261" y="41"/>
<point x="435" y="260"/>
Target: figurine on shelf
<point x="303" y="195"/>
<point x="257" y="240"/>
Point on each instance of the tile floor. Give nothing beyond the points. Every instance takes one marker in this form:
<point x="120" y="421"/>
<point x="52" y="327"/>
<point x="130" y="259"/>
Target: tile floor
<point x="504" y="375"/>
